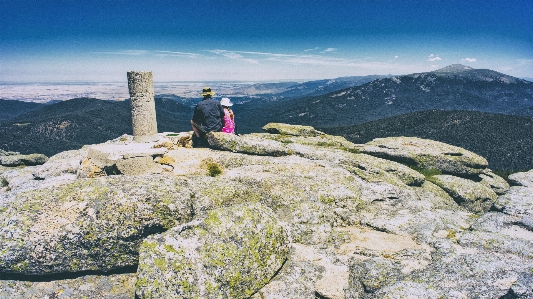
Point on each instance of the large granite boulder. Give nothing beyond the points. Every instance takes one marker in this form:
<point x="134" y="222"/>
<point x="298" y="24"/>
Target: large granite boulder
<point x="246" y="144"/>
<point x="91" y="224"/>
<point x="11" y="159"/>
<point x="359" y="223"/>
<point x="522" y="178"/>
<point x="427" y="154"/>
<point x="230" y="254"/>
<point x="495" y="182"/>
<point x="67" y="162"/>
<point x="296" y="130"/>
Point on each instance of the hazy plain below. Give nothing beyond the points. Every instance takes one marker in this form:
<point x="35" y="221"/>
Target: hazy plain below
<point x="61" y="91"/>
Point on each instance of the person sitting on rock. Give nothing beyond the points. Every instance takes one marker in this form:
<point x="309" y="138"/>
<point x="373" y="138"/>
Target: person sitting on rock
<point x="229" y="117"/>
<point x="208" y="117"/>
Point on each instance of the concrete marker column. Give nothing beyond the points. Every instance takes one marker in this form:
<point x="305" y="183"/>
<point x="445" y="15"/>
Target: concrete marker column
<point x="141" y="89"/>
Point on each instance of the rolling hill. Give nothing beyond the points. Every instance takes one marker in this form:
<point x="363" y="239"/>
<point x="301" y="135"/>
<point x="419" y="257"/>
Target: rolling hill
<point x="10" y="109"/>
<point x="71" y="124"/>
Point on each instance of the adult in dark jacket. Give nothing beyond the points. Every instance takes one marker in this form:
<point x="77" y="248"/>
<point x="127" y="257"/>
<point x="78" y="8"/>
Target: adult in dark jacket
<point x="208" y="117"/>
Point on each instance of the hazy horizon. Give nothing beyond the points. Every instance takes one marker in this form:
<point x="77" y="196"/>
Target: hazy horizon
<point x="257" y="41"/>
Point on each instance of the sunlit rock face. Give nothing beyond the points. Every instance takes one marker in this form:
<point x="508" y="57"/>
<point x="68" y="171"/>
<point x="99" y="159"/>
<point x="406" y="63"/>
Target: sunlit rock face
<point x="289" y="213"/>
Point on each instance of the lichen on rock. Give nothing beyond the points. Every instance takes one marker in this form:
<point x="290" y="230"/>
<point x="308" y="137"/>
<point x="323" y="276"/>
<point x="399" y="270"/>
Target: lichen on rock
<point x="91" y="224"/>
<point x="291" y="213"/>
<point x="231" y="253"/>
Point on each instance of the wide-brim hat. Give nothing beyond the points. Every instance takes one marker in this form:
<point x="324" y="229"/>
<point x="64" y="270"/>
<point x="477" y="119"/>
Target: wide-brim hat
<point x="207" y="92"/>
<point x="226" y="102"/>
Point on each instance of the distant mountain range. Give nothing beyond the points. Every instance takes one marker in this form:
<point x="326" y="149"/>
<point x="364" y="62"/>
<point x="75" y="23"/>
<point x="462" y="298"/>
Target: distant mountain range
<point x="456" y="87"/>
<point x="280" y="91"/>
<point x="286" y="91"/>
<point x="506" y="141"/>
<point x="503" y="139"/>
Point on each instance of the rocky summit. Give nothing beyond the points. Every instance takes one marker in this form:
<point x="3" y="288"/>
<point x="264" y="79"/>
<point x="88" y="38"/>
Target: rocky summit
<point x="289" y="213"/>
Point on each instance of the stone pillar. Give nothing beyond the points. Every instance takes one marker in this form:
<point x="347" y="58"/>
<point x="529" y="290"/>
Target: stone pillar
<point x="141" y="88"/>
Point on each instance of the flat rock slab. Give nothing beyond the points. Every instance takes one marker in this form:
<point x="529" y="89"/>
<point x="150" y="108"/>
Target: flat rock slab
<point x="28" y="160"/>
<point x="117" y="286"/>
<point x="130" y="159"/>
<point x="295" y="130"/>
<point x="107" y="154"/>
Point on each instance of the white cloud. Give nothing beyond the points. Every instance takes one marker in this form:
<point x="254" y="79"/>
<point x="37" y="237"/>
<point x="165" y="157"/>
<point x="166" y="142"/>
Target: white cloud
<point x="125" y="52"/>
<point x="146" y="52"/>
<point x="396" y="56"/>
<point x="173" y="53"/>
<point x="468" y="60"/>
<point x="433" y="57"/>
<point x="314" y="49"/>
<point x="330" y="50"/>
<point x="302" y="60"/>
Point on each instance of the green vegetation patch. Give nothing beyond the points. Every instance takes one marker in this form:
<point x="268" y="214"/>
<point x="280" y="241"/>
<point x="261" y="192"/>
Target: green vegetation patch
<point x="428" y="173"/>
<point x="213" y="169"/>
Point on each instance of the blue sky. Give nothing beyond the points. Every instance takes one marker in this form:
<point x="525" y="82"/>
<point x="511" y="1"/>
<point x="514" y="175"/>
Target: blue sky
<point x="205" y="40"/>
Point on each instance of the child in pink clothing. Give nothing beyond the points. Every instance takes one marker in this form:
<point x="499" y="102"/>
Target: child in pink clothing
<point x="229" y="118"/>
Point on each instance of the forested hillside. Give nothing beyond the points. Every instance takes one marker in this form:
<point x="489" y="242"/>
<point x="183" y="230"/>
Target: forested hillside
<point x="71" y="124"/>
<point x="506" y="141"/>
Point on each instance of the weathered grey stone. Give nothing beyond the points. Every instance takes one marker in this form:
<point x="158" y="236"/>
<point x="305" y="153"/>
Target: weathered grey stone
<point x="129" y="159"/>
<point x="16" y="178"/>
<point x="323" y="140"/>
<point x="374" y="169"/>
<point x="518" y="201"/>
<point x="296" y="130"/>
<point x="231" y="254"/>
<point x="92" y="224"/>
<point x="307" y="274"/>
<point x="522" y="288"/>
<point x="337" y="206"/>
<point x="295" y="280"/>
<point x="67" y="162"/>
<point x="247" y="144"/>
<point x="117" y="286"/>
<point x="368" y="276"/>
<point x="408" y="289"/>
<point x="138" y="166"/>
<point x="141" y="89"/>
<point x="514" y="240"/>
<point x="17" y="160"/>
<point x="87" y="170"/>
<point x="457" y="272"/>
<point x="475" y="197"/>
<point x="522" y="178"/>
<point x="427" y="154"/>
<point x="495" y="182"/>
<point x="183" y="139"/>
